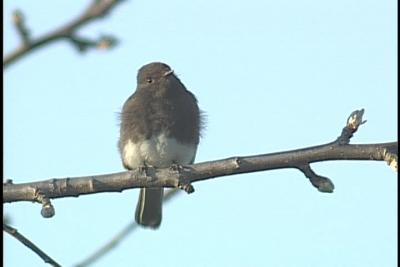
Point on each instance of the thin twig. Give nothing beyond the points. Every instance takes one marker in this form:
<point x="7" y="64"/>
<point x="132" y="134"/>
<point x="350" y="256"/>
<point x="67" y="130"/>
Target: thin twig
<point x="119" y="237"/>
<point x="13" y="232"/>
<point x="20" y="25"/>
<point x="96" y="10"/>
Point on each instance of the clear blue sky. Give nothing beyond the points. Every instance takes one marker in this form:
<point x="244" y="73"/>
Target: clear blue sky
<point x="271" y="76"/>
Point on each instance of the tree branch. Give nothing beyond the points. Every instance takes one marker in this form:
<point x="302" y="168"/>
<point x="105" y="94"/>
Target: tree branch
<point x="183" y="176"/>
<point x="13" y="232"/>
<point x="97" y="9"/>
<point x="170" y="177"/>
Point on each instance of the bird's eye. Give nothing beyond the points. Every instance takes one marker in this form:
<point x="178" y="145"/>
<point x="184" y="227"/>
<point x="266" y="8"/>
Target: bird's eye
<point x="149" y="80"/>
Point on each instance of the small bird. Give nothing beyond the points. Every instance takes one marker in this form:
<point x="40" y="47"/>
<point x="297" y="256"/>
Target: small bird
<point x="160" y="126"/>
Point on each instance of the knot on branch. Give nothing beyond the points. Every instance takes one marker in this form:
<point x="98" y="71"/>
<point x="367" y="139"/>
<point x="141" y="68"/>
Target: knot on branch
<point x="187" y="187"/>
<point x="48" y="210"/>
<point x="323" y="184"/>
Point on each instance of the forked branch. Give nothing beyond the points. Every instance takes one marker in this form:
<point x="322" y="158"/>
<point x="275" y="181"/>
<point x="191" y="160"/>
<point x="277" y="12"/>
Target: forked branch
<point x="97" y="9"/>
<point x="183" y="176"/>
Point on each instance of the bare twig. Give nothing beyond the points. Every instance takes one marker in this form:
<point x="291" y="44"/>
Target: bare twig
<point x="97" y="9"/>
<point x="117" y="182"/>
<point x="353" y="122"/>
<point x="323" y="184"/>
<point x="185" y="175"/>
<point x="119" y="237"/>
<point x="19" y="22"/>
<point x="12" y="231"/>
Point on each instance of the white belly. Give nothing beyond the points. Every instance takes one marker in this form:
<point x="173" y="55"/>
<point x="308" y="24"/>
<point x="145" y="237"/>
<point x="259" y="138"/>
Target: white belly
<point x="159" y="151"/>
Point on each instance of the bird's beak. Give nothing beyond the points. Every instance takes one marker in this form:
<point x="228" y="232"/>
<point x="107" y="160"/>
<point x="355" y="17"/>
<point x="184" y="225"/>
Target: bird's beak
<point x="168" y="73"/>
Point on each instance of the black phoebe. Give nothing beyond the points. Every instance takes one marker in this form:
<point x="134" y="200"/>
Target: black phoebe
<point x="160" y="126"/>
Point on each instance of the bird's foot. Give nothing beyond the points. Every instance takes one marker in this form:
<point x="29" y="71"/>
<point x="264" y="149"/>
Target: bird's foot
<point x="176" y="167"/>
<point x="183" y="184"/>
<point x="143" y="169"/>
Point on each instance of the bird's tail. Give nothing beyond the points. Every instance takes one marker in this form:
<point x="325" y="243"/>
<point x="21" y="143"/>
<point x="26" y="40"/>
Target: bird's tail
<point x="149" y="207"/>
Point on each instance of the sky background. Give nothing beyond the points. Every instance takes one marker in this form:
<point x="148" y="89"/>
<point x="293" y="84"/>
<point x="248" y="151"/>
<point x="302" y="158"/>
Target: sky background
<point x="270" y="75"/>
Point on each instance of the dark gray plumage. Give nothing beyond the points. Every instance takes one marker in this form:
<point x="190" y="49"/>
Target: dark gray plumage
<point x="160" y="126"/>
